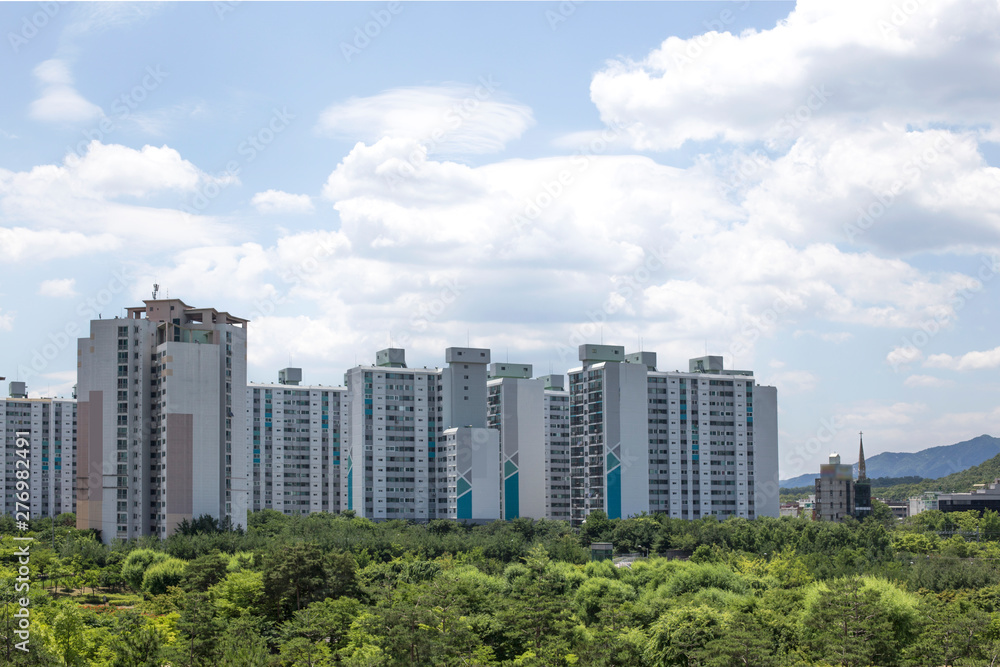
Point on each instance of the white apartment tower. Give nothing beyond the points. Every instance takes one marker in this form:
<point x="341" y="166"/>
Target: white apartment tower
<point x="49" y="426"/>
<point x="695" y="444"/>
<point x="416" y="442"/>
<point x="295" y="436"/>
<point x="532" y="419"/>
<point x="162" y="420"/>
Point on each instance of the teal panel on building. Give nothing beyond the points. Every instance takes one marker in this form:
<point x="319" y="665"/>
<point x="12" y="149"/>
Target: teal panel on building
<point x="511" y="498"/>
<point x="614" y="497"/>
<point x="465" y="506"/>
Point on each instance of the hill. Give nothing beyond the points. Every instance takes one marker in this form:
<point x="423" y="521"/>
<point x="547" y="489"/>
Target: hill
<point x="904" y="488"/>
<point x="931" y="463"/>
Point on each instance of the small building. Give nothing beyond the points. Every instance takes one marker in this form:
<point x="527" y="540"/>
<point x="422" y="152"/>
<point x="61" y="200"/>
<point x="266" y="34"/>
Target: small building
<point x="602" y="551"/>
<point x="928" y="501"/>
<point x="984" y="498"/>
<point x="900" y="509"/>
<point x="834" y="491"/>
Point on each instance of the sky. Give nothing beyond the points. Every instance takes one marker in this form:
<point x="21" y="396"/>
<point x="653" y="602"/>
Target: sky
<point x="810" y="190"/>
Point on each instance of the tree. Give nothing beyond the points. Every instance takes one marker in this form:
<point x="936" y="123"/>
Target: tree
<point x="243" y="644"/>
<point x="138" y="643"/>
<point x="162" y="575"/>
<point x="198" y="628"/>
<point x="205" y="571"/>
<point x="535" y="614"/>
<point x="302" y="574"/>
<point x="846" y="624"/>
<point x="951" y="632"/>
<point x="136" y="563"/>
<point x="680" y="636"/>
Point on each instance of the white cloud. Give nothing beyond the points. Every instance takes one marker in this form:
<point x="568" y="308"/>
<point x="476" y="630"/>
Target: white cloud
<point x="828" y="59"/>
<point x="448" y="119"/>
<point x="6" y="321"/>
<point x="21" y="244"/>
<point x="902" y="355"/>
<point x="58" y="287"/>
<point x="276" y="201"/>
<point x="60" y="102"/>
<point x="81" y="197"/>
<point x="970" y="361"/>
<point x="926" y="381"/>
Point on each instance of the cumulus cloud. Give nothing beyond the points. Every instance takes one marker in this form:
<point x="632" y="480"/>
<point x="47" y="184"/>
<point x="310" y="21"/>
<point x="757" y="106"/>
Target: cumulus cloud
<point x="970" y="361"/>
<point x="276" y="201"/>
<point x="6" y="321"/>
<point x="826" y="60"/>
<point x="449" y="119"/>
<point x="58" y="287"/>
<point x="902" y="355"/>
<point x="60" y="102"/>
<point x="106" y="196"/>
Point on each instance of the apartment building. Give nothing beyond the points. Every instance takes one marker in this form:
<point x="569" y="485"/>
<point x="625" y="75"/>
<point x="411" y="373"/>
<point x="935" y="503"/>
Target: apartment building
<point x="294" y="433"/>
<point x="688" y="444"/>
<point x="162" y="420"/>
<point x="49" y="427"/>
<point x="417" y="442"/>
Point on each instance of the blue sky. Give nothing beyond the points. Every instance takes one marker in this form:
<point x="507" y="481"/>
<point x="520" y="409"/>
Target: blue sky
<point x="810" y="190"/>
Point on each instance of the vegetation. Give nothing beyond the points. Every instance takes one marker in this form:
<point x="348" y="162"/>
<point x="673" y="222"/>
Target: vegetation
<point x="327" y="590"/>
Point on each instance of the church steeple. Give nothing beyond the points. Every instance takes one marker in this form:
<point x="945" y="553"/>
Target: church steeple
<point x="861" y="457"/>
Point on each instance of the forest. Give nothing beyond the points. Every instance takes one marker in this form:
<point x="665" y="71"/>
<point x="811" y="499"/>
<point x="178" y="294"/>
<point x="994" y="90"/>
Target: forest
<point x="322" y="589"/>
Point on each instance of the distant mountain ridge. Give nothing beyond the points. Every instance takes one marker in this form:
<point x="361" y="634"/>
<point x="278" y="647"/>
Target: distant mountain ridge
<point x="928" y="463"/>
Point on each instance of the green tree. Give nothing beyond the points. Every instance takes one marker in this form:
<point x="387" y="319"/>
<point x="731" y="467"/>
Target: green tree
<point x="136" y="563"/>
<point x="198" y="629"/>
<point x="205" y="571"/>
<point x="301" y="574"/>
<point x="846" y="624"/>
<point x="162" y="575"/>
<point x="138" y="644"/>
<point x="243" y="644"/>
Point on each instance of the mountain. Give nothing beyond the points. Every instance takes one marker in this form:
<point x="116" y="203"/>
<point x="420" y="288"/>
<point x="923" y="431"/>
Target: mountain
<point x="928" y="463"/>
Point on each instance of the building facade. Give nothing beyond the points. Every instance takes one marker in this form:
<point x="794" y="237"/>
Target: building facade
<point x="162" y="420"/>
<point x="294" y="433"/>
<point x="983" y="497"/>
<point x="689" y="444"/>
<point x="417" y="441"/>
<point x="49" y="426"/>
<point x="531" y="416"/>
<point x="834" y="491"/>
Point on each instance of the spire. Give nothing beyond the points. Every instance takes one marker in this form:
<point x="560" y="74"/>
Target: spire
<point x="861" y="457"/>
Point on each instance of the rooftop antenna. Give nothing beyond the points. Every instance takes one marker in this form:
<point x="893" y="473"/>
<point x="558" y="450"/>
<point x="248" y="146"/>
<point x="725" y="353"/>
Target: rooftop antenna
<point x="602" y="334"/>
<point x="156" y="288"/>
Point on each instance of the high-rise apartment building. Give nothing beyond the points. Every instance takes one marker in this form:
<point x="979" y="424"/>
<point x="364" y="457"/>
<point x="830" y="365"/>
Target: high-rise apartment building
<point x="162" y="420"/>
<point x="295" y="437"/>
<point x="557" y="447"/>
<point x="532" y="419"/>
<point x="688" y="444"/>
<point x="48" y="426"/>
<point x="417" y="443"/>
